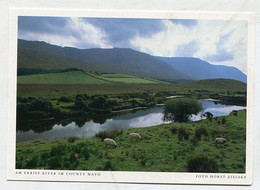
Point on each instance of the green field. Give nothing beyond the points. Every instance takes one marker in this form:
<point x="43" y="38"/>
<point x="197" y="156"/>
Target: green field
<point x="79" y="77"/>
<point x="160" y="149"/>
<point x="71" y="90"/>
<point x="125" y="78"/>
<point x="130" y="79"/>
<point x="55" y="85"/>
<point x="72" y="77"/>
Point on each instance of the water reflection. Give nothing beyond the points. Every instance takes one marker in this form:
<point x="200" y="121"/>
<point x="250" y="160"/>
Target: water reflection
<point x="88" y="127"/>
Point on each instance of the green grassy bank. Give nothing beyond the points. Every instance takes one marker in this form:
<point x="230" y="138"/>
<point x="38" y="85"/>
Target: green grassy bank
<point x="163" y="148"/>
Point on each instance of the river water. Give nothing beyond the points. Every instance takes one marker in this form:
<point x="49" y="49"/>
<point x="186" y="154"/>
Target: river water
<point x="86" y="128"/>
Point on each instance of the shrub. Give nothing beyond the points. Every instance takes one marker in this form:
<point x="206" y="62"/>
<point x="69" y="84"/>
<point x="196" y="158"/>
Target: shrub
<point x="180" y="109"/>
<point x="72" y="139"/>
<point x="45" y="156"/>
<point x="74" y="165"/>
<point x="55" y="162"/>
<point x="72" y="157"/>
<point x="41" y="104"/>
<point x="200" y="131"/>
<point x="56" y="112"/>
<point x="134" y="102"/>
<point x="85" y="152"/>
<point x="66" y="164"/>
<point x="208" y="115"/>
<point x="64" y="99"/>
<point x="82" y="102"/>
<point x="32" y="163"/>
<point x="108" y="166"/>
<point x="201" y="163"/>
<point x="109" y="134"/>
<point x="76" y="148"/>
<point x="224" y="120"/>
<point x="186" y="135"/>
<point x="183" y="133"/>
<point x="98" y="101"/>
<point x="143" y="162"/>
<point x="56" y="151"/>
<point x="173" y="129"/>
<point x="194" y="141"/>
<point x="22" y="111"/>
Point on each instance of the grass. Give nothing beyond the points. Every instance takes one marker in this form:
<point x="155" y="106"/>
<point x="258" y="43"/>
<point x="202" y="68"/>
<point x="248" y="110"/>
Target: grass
<point x="71" y="77"/>
<point x="117" y="76"/>
<point x="158" y="150"/>
<point x="79" y="77"/>
<point x="129" y="79"/>
<point x="213" y="84"/>
<point x="71" y="90"/>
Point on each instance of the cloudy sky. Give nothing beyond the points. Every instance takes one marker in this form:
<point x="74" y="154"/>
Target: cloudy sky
<point x="216" y="41"/>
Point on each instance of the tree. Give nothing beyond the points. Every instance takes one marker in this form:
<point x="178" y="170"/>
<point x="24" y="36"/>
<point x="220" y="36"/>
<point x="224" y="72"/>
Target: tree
<point x="81" y="102"/>
<point x="180" y="109"/>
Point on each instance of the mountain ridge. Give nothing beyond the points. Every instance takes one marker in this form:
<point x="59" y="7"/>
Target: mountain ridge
<point x="120" y="60"/>
<point x="190" y="65"/>
<point x="42" y="55"/>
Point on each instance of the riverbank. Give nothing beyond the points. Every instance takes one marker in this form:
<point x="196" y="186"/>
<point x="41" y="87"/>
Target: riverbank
<point x="165" y="148"/>
<point x="84" y="105"/>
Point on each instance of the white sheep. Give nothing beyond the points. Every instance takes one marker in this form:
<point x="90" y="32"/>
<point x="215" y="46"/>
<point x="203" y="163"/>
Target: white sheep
<point x="135" y="136"/>
<point x="110" y="142"/>
<point x="220" y="140"/>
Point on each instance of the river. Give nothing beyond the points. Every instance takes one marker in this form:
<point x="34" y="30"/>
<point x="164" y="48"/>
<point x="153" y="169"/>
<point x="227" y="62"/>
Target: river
<point x="89" y="127"/>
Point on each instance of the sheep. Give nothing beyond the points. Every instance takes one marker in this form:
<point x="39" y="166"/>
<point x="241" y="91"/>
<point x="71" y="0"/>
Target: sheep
<point x="220" y="140"/>
<point x="135" y="136"/>
<point x="110" y="142"/>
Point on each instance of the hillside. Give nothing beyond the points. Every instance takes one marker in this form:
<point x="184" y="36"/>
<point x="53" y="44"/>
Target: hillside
<point x="198" y="69"/>
<point x="216" y="84"/>
<point x="41" y="55"/>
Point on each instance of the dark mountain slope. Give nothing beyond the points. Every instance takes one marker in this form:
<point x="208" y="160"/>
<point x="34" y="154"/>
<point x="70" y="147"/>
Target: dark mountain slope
<point x="34" y="54"/>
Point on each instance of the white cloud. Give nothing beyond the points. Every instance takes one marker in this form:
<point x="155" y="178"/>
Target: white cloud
<point x="88" y="33"/>
<point x="49" y="38"/>
<point x="80" y="35"/>
<point x="206" y="33"/>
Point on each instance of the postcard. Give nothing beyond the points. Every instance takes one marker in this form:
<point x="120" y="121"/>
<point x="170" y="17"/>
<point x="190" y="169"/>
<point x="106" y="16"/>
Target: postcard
<point x="131" y="96"/>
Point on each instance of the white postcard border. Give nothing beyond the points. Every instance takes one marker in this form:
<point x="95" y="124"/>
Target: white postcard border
<point x="127" y="177"/>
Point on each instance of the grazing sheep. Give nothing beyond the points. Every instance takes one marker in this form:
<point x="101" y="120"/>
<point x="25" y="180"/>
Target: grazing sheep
<point x="220" y="140"/>
<point x="110" y="142"/>
<point x="135" y="136"/>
